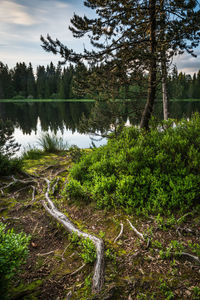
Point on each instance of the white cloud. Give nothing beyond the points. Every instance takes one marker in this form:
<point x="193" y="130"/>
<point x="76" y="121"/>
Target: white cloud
<point x="187" y="63"/>
<point x="14" y="13"/>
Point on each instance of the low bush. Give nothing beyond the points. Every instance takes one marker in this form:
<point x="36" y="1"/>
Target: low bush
<point x="156" y="171"/>
<point x="8" y="147"/>
<point x="13" y="253"/>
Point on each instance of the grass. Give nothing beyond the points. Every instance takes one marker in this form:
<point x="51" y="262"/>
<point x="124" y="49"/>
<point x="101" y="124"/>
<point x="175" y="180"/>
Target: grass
<point x="52" y="143"/>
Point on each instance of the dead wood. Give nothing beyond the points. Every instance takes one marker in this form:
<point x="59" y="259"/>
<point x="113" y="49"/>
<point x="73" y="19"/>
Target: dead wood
<point x="196" y="258"/>
<point x="121" y="232"/>
<point x="77" y="270"/>
<point x="98" y="277"/>
<point x="65" y="251"/>
<point x="140" y="235"/>
<point x="44" y="254"/>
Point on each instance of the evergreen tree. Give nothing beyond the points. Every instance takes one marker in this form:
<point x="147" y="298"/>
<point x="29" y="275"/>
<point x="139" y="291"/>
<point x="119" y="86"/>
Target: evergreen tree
<point x="6" y="86"/>
<point x="40" y="82"/>
<point x="20" y="76"/>
<point x="31" y="86"/>
<point x="132" y="37"/>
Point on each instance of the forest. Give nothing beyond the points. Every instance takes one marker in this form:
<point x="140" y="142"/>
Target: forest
<point x="57" y="82"/>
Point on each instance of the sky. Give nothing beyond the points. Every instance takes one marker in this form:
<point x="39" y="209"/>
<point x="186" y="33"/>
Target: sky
<point x="23" y="21"/>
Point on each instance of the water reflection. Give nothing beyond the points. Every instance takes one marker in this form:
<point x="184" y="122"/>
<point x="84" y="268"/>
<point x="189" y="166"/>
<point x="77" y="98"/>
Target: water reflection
<point x="76" y="121"/>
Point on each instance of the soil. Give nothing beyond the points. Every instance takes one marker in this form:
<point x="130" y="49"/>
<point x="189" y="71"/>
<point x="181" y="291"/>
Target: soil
<point x="134" y="269"/>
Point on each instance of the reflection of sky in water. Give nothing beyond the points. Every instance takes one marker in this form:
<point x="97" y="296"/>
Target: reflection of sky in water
<point x="81" y="140"/>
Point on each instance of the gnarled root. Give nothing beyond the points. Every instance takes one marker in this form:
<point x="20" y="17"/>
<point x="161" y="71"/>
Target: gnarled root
<point x="98" y="277"/>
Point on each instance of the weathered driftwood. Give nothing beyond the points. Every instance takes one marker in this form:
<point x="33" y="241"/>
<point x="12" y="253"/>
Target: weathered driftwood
<point x="121" y="232"/>
<point x="98" y="277"/>
<point x="140" y="235"/>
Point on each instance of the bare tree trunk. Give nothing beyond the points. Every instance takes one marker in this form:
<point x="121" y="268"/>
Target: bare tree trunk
<point x="163" y="61"/>
<point x="152" y="69"/>
<point x="164" y="86"/>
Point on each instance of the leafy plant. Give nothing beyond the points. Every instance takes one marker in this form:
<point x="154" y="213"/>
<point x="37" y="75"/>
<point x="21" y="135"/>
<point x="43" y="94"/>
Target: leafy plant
<point x="8" y="147"/>
<point x="75" y="153"/>
<point x="13" y="253"/>
<point x="88" y="251"/>
<point x="155" y="171"/>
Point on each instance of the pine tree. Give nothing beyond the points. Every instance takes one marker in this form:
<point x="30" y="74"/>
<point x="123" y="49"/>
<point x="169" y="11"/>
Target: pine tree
<point x="40" y="82"/>
<point x="133" y="39"/>
<point x="6" y="85"/>
<point x="31" y="87"/>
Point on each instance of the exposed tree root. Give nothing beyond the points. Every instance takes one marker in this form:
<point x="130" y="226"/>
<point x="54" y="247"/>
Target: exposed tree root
<point x="98" y="277"/>
<point x="140" y="235"/>
<point x="121" y="232"/>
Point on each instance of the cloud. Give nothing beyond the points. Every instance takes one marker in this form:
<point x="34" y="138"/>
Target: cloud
<point x="187" y="63"/>
<point x="14" y="13"/>
<point x="20" y="35"/>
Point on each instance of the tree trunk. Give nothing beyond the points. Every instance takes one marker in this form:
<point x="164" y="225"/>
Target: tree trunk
<point x="152" y="69"/>
<point x="164" y="86"/>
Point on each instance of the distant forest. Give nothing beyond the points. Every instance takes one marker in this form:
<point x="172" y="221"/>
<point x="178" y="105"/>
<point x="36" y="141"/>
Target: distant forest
<point x="56" y="82"/>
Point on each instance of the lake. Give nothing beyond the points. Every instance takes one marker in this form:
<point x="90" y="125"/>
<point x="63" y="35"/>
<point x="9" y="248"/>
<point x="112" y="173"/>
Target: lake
<point x="77" y="122"/>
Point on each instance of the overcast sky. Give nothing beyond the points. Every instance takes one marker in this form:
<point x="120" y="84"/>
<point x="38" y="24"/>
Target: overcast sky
<point x="23" y="21"/>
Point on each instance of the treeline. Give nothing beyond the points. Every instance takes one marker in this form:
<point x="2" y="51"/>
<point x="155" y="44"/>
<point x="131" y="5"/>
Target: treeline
<point x="50" y="82"/>
<point x="55" y="82"/>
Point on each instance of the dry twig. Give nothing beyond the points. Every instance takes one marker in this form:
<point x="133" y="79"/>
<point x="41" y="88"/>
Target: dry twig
<point x="121" y="232"/>
<point x="140" y="235"/>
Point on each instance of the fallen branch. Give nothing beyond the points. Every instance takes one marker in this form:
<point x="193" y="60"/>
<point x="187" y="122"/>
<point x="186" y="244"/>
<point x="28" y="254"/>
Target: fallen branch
<point x="196" y="258"/>
<point x="76" y="271"/>
<point x="65" y="251"/>
<point x="121" y="232"/>
<point x="98" y="277"/>
<point x="44" y="254"/>
<point x="140" y="235"/>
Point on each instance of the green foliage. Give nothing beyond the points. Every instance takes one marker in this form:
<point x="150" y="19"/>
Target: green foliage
<point x="196" y="293"/>
<point x="88" y="251"/>
<point x="8" y="148"/>
<point x="32" y="153"/>
<point x="52" y="143"/>
<point x="155" y="171"/>
<point x="75" y="191"/>
<point x="166" y="290"/>
<point x="195" y="247"/>
<point x="13" y="253"/>
<point x="75" y="153"/>
<point x="175" y="248"/>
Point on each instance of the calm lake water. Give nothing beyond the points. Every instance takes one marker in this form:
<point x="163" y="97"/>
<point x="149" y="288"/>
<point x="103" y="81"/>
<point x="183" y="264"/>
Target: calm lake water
<point x="76" y="122"/>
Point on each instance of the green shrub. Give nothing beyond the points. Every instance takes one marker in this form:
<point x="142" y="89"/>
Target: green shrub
<point x="9" y="165"/>
<point x="8" y="147"/>
<point x="156" y="171"/>
<point x="13" y="253"/>
<point x="75" y="153"/>
<point x="88" y="251"/>
<point x="75" y="191"/>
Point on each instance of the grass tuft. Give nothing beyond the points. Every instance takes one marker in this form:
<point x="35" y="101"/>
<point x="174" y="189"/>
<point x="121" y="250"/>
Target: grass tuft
<point x="52" y="143"/>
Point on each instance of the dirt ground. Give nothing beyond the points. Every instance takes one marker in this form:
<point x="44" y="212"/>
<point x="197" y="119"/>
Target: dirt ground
<point x="158" y="267"/>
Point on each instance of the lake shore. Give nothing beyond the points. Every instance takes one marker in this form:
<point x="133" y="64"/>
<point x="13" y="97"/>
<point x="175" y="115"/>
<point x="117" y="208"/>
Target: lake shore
<point x="135" y="268"/>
